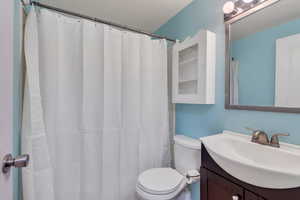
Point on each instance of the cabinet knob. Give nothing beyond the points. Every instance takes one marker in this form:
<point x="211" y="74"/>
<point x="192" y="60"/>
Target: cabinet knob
<point x="235" y="197"/>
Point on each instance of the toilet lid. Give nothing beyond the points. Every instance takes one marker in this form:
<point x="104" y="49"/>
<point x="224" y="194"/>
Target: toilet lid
<point x="160" y="180"/>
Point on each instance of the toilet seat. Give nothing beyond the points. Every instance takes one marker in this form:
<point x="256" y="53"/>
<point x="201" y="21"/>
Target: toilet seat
<point x="160" y="184"/>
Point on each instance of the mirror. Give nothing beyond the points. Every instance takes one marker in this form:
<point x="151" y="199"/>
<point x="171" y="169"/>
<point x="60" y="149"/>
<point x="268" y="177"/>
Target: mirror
<point x="263" y="59"/>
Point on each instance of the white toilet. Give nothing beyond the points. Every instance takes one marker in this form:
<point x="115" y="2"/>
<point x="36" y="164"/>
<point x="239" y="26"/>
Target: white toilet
<point x="167" y="183"/>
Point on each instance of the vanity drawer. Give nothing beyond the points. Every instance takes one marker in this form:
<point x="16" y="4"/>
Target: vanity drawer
<point x="217" y="188"/>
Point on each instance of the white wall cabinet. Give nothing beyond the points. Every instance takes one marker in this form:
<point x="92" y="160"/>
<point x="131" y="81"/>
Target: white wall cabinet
<point x="194" y="69"/>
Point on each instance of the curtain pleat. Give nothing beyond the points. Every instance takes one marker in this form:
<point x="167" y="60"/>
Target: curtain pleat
<point x="102" y="100"/>
<point x="38" y="177"/>
<point x="93" y="108"/>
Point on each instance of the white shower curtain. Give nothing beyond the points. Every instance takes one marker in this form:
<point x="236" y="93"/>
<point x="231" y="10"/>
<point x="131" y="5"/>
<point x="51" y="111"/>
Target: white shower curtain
<point x="95" y="109"/>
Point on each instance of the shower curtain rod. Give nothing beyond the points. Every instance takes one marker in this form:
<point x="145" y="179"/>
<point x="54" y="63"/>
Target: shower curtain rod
<point x="99" y="20"/>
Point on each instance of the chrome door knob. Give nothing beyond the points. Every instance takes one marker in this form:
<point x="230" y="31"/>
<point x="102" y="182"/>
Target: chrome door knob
<point x="17" y="162"/>
<point x="235" y="197"/>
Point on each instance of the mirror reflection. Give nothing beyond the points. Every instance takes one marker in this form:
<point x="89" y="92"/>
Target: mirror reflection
<point x="265" y="57"/>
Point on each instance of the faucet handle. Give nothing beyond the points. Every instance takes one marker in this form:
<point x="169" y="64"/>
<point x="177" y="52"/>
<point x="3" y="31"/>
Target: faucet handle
<point x="250" y="129"/>
<point x="255" y="132"/>
<point x="281" y="134"/>
<point x="275" y="140"/>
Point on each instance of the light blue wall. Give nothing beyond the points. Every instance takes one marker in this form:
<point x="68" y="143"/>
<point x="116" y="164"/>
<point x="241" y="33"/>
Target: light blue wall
<point x="203" y="120"/>
<point x="256" y="54"/>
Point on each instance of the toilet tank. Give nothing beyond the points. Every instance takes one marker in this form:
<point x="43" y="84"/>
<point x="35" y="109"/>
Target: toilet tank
<point x="187" y="154"/>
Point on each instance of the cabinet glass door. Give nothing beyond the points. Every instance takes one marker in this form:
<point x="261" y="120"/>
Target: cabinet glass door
<point x="188" y="70"/>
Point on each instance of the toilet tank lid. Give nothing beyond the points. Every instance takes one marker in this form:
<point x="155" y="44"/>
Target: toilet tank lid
<point x="187" y="141"/>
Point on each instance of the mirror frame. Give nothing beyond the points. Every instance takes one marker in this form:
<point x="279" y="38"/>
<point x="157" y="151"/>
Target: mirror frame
<point x="228" y="23"/>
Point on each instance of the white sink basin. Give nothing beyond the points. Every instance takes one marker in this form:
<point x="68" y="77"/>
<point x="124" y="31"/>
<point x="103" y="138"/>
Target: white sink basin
<point x="256" y="164"/>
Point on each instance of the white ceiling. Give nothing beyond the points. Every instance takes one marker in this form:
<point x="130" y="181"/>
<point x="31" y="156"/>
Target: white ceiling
<point x="276" y="14"/>
<point x="147" y="15"/>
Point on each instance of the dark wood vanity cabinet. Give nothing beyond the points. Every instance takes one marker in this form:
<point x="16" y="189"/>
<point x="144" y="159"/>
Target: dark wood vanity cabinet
<point x="251" y="196"/>
<point x="218" y="188"/>
<point x="216" y="184"/>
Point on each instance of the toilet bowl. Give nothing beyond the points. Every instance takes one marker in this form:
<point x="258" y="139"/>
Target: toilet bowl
<point x="168" y="183"/>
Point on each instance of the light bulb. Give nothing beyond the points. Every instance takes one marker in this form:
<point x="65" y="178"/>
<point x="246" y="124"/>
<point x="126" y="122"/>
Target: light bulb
<point x="247" y="1"/>
<point x="228" y="7"/>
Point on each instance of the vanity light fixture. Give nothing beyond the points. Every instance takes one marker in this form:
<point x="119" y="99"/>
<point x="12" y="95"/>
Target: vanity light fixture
<point x="248" y="1"/>
<point x="233" y="8"/>
<point x="229" y="7"/>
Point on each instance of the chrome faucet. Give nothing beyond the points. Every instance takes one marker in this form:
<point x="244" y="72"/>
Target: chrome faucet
<point x="261" y="137"/>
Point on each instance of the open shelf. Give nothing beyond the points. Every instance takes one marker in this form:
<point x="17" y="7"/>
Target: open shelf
<point x="188" y="87"/>
<point x="187" y="80"/>
<point x="188" y="61"/>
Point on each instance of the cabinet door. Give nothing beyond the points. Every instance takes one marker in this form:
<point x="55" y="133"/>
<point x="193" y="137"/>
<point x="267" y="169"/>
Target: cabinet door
<point x="214" y="187"/>
<point x="186" y="83"/>
<point x="251" y="196"/>
<point x="193" y="69"/>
